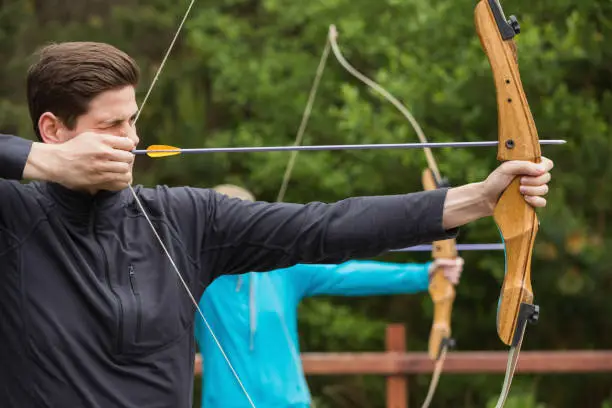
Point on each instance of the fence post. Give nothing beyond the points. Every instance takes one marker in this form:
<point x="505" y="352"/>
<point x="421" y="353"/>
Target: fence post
<point x="397" y="385"/>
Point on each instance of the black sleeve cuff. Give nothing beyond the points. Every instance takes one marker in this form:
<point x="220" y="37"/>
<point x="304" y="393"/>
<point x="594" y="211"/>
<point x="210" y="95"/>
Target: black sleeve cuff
<point x="14" y="152"/>
<point x="435" y="229"/>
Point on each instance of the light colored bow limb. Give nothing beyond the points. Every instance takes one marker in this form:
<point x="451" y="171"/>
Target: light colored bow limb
<point x="333" y="39"/>
<point x="431" y="163"/>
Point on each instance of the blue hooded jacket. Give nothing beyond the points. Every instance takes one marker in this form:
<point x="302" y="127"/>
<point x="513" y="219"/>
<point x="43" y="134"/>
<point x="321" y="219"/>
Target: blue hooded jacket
<point x="254" y="317"/>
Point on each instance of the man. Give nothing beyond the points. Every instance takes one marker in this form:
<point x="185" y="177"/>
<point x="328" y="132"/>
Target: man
<point x="93" y="313"/>
<point x="255" y="316"/>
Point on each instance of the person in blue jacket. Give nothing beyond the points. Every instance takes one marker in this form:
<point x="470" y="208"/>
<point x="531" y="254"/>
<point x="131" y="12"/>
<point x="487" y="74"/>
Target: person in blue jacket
<point x="254" y="317"/>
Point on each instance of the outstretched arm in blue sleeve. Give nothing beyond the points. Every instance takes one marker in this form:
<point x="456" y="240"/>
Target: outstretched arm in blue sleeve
<point x="360" y="278"/>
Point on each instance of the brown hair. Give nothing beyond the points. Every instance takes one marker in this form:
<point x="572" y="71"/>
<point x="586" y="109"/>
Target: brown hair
<point x="67" y="76"/>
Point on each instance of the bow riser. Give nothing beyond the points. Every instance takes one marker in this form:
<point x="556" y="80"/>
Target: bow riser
<point x="517" y="133"/>
<point x="518" y="140"/>
<point x="441" y="289"/>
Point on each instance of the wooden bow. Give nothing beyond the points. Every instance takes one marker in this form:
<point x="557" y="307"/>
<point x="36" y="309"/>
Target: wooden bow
<point x="442" y="291"/>
<point x="442" y="294"/>
<point x="518" y="140"/>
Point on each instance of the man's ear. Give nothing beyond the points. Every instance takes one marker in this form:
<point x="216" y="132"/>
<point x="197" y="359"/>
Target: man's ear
<point x="51" y="128"/>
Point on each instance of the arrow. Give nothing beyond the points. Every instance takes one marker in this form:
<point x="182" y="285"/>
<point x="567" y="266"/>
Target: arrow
<point x="159" y="151"/>
<point x="460" y="247"/>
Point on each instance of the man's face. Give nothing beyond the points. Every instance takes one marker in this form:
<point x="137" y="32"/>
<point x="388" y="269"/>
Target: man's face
<point x="111" y="112"/>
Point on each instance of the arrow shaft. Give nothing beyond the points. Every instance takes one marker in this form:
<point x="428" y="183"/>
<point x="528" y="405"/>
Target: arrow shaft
<point x="336" y="147"/>
<point x="460" y="247"/>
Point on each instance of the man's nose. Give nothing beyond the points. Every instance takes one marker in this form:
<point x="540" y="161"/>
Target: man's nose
<point x="128" y="130"/>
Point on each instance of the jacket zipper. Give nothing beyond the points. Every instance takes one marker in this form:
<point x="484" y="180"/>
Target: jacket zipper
<point x="108" y="280"/>
<point x="136" y="295"/>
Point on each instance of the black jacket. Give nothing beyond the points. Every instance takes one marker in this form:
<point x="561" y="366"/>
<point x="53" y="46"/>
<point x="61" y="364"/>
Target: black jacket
<point x="92" y="313"/>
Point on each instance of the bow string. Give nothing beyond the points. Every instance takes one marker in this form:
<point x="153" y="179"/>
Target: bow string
<point x="150" y="223"/>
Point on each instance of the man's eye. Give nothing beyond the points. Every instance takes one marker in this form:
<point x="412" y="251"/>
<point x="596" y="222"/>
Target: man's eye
<point x="107" y="127"/>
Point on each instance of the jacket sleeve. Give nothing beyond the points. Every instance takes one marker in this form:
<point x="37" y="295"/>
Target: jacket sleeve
<point x="14" y="206"/>
<point x="361" y="278"/>
<point x="14" y="152"/>
<point x="235" y="236"/>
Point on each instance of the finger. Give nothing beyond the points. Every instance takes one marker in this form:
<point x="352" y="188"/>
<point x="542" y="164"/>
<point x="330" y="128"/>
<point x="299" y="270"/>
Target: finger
<point x="536" y="181"/>
<point x="524" y="168"/>
<point x="452" y="264"/>
<point x="116" y="155"/>
<point x="547" y="163"/>
<point x="535" y="201"/>
<point x="119" y="184"/>
<point x="113" y="168"/>
<point x="119" y="142"/>
<point x="444" y="262"/>
<point x="534" y="190"/>
<point x="113" y="179"/>
<point x="452" y="277"/>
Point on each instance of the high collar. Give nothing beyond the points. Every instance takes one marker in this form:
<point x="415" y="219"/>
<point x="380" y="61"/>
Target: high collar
<point x="80" y="203"/>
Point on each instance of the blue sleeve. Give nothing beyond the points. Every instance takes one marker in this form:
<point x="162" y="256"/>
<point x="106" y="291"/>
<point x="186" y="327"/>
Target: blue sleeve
<point x="360" y="278"/>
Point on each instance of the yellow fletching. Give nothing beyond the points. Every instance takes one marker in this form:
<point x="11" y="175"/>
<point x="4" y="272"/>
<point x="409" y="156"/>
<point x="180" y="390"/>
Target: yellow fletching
<point x="152" y="151"/>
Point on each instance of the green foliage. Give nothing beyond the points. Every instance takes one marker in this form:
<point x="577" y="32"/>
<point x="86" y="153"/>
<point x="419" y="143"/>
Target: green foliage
<point x="240" y="75"/>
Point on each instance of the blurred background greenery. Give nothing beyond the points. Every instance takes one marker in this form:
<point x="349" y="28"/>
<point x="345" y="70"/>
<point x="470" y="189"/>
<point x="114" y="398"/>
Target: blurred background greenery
<point x="240" y="76"/>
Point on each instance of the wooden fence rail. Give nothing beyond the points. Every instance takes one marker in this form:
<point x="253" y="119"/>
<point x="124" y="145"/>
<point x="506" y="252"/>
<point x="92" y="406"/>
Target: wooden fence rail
<point x="395" y="363"/>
